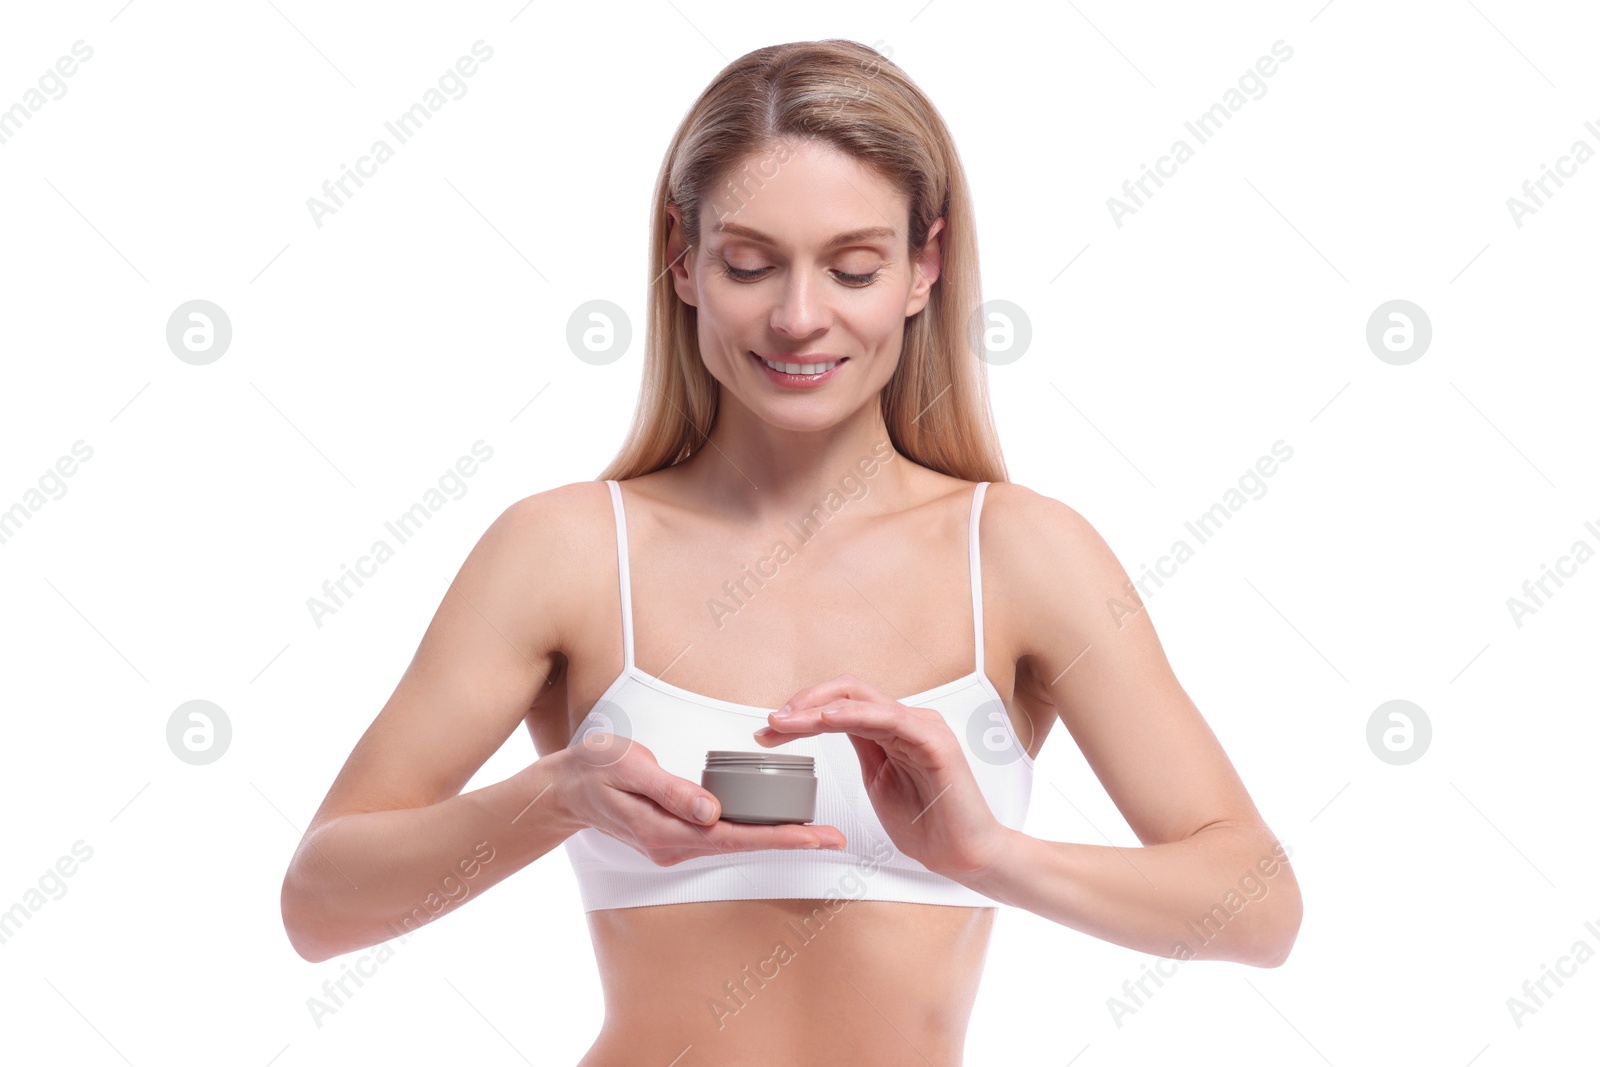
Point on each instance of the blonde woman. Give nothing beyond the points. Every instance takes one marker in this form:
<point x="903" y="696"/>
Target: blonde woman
<point x="809" y="517"/>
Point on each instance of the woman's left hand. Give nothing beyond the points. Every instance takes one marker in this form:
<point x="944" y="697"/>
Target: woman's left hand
<point x="915" y="773"/>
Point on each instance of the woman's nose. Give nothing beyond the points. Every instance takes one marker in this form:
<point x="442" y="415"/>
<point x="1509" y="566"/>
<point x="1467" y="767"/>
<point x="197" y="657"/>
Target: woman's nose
<point x="800" y="311"/>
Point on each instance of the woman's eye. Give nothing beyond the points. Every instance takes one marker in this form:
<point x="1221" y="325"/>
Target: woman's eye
<point x="741" y="275"/>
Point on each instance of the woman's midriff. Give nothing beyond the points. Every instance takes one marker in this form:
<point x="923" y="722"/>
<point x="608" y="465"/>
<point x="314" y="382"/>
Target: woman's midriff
<point x="787" y="983"/>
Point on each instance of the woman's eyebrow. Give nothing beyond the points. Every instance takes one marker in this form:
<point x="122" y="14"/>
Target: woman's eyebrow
<point x="866" y="233"/>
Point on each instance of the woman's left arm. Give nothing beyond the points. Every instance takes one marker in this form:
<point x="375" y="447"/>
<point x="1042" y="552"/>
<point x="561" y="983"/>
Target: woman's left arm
<point x="1224" y="892"/>
<point x="1211" y="881"/>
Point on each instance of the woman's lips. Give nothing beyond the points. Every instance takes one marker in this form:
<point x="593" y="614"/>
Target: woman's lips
<point x="800" y="380"/>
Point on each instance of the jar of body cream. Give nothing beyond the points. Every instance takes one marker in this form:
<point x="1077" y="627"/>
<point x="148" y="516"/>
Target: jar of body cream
<point x="762" y="787"/>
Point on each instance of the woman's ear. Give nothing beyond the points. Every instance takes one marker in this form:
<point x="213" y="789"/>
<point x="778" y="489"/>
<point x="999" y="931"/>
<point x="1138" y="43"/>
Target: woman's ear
<point x="680" y="257"/>
<point x="927" y="263"/>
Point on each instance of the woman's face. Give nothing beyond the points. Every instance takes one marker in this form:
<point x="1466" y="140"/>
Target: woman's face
<point x="802" y="260"/>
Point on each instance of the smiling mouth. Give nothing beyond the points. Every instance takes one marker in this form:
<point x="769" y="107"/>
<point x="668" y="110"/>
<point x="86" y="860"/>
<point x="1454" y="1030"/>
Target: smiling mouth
<point x="800" y="368"/>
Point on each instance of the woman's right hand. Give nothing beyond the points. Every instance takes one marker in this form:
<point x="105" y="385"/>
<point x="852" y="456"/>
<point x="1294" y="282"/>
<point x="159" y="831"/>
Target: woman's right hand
<point x="615" y="785"/>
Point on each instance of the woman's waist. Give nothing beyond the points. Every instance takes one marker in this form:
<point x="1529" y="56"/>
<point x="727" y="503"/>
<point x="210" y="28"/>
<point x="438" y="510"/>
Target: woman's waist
<point x="882" y="1041"/>
<point x="779" y="971"/>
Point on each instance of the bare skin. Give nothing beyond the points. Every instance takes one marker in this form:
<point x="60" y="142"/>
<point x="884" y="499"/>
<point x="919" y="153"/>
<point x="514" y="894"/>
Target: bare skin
<point x="877" y="605"/>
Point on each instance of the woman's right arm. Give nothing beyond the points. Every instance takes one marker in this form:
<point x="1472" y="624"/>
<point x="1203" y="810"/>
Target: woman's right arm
<point x="396" y="843"/>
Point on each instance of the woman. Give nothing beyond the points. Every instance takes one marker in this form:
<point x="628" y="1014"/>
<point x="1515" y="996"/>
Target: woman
<point x="811" y="460"/>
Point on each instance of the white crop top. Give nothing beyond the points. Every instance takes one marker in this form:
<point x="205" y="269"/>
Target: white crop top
<point x="678" y="727"/>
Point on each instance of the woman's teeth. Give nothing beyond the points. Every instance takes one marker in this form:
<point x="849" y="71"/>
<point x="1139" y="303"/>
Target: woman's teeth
<point x="799" y="368"/>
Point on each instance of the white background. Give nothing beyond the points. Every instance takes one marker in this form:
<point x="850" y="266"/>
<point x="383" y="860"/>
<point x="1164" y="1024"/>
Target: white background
<point x="1167" y="355"/>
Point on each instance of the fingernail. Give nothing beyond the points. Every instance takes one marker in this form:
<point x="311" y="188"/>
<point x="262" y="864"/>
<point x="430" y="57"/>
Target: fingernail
<point x="784" y="710"/>
<point x="783" y="714"/>
<point x="702" y="809"/>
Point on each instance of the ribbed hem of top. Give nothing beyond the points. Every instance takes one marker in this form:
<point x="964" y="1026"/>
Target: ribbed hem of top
<point x="780" y="878"/>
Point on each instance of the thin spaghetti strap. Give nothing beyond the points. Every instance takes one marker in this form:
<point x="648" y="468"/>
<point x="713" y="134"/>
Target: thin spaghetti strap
<point x="624" y="583"/>
<point x="976" y="571"/>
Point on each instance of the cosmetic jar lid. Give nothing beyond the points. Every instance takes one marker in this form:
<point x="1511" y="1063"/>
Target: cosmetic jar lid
<point x="783" y="761"/>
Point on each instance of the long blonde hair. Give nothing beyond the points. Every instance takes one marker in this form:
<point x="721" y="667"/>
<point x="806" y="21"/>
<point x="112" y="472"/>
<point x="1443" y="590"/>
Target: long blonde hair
<point x="850" y="97"/>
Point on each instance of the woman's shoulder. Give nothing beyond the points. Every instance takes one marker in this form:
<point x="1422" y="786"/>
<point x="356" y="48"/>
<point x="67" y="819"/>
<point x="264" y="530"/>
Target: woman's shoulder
<point x="1047" y="546"/>
<point x="1023" y="504"/>
<point x="1025" y="525"/>
<point x="565" y="521"/>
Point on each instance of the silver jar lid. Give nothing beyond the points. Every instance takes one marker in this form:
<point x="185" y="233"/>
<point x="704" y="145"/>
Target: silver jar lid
<point x="766" y="760"/>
